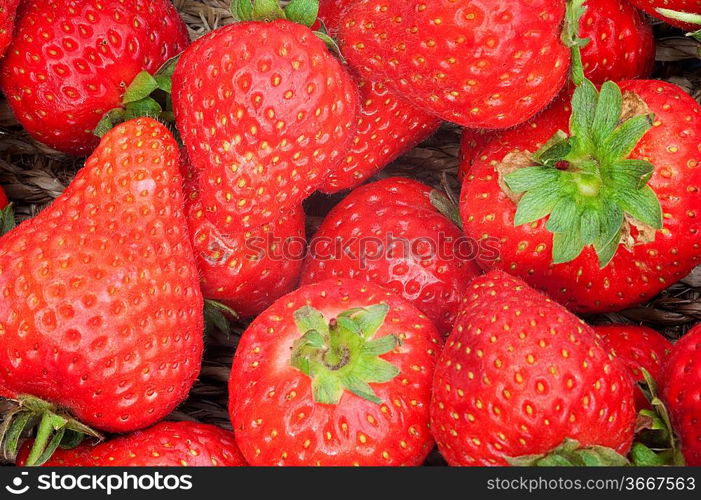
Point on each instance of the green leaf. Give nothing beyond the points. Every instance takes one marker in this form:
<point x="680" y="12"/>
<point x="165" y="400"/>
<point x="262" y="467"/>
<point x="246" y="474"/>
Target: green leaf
<point x="326" y="389"/>
<point x="565" y="216"/>
<point x="610" y="224"/>
<point x="360" y="388"/>
<point x="526" y="178"/>
<point x="621" y="142"/>
<point x="447" y="208"/>
<point x="630" y="174"/>
<point x="109" y="120"/>
<point x="590" y="226"/>
<point x="302" y="11"/>
<point x="381" y="346"/>
<point x="145" y="107"/>
<point x="584" y="103"/>
<point x="567" y="246"/>
<point x="267" y="10"/>
<point x="141" y="87"/>
<point x="215" y="317"/>
<point x="536" y="204"/>
<point x="330" y="44"/>
<point x="608" y="112"/>
<point x="685" y="17"/>
<point x="642" y="205"/>
<point x="242" y="10"/>
<point x="307" y="318"/>
<point x="642" y="456"/>
<point x="164" y="75"/>
<point x="370" y="319"/>
<point x="7" y="219"/>
<point x="376" y="370"/>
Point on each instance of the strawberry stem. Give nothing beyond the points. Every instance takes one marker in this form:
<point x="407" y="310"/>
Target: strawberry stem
<point x="341" y="354"/>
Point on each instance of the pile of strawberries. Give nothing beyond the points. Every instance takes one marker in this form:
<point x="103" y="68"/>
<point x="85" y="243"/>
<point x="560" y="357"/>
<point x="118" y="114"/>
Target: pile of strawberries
<point x="411" y="318"/>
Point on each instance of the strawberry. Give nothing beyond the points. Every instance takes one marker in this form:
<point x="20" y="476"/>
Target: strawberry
<point x="682" y="393"/>
<point x="72" y="62"/>
<point x="167" y="444"/>
<point x="636" y="347"/>
<point x="519" y="375"/>
<point x="471" y="143"/>
<point x="672" y="11"/>
<point x="102" y="313"/>
<point x="621" y="43"/>
<point x="603" y="218"/>
<point x="8" y="10"/>
<point x="246" y="271"/>
<point x="335" y="373"/>
<point x="266" y="113"/>
<point x="388" y="125"/>
<point x="471" y="62"/>
<point x="390" y="233"/>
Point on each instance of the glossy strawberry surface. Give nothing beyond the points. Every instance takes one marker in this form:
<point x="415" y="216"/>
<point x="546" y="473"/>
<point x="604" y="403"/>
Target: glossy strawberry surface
<point x="266" y="113"/>
<point x="167" y="444"/>
<point x="102" y="311"/>
<point x="477" y="63"/>
<point x="71" y="62"/>
<point x="389" y="233"/>
<point x="519" y="374"/>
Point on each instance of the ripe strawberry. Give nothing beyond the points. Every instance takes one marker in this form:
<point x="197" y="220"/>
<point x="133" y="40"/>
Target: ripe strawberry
<point x="266" y="113"/>
<point x="680" y="6"/>
<point x="474" y="63"/>
<point x="390" y="233"/>
<point x="636" y="347"/>
<point x="621" y="43"/>
<point x="246" y="271"/>
<point x="471" y="144"/>
<point x="167" y="444"/>
<point x="682" y="393"/>
<point x="8" y="9"/>
<point x="101" y="312"/>
<point x="71" y="62"/>
<point x="608" y="218"/>
<point x="335" y="373"/>
<point x="519" y="375"/>
<point x="388" y="125"/>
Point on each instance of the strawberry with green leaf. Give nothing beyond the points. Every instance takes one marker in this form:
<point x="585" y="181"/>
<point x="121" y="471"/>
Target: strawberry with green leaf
<point x="266" y="112"/>
<point x="101" y="319"/>
<point x="335" y="373"/>
<point x="596" y="201"/>
<point x="70" y="63"/>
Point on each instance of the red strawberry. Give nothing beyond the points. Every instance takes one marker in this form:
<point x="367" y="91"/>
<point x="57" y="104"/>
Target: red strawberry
<point x="621" y="43"/>
<point x="636" y="347"/>
<point x="472" y="62"/>
<point x="519" y="375"/>
<point x="390" y="233"/>
<point x="471" y="144"/>
<point x="685" y="6"/>
<point x="388" y="125"/>
<point x="7" y="23"/>
<point x="101" y="312"/>
<point x="246" y="271"/>
<point x="71" y="62"/>
<point x="266" y="113"/>
<point x="168" y="444"/>
<point x="682" y="393"/>
<point x="336" y="373"/>
<point x="626" y="221"/>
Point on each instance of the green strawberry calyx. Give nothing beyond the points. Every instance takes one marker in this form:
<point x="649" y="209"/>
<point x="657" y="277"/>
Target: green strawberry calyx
<point x="656" y="442"/>
<point x="304" y="12"/>
<point x="147" y="95"/>
<point x="342" y="354"/>
<point x="53" y="427"/>
<point x="7" y="219"/>
<point x="685" y="17"/>
<point x="570" y="453"/>
<point x="584" y="181"/>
